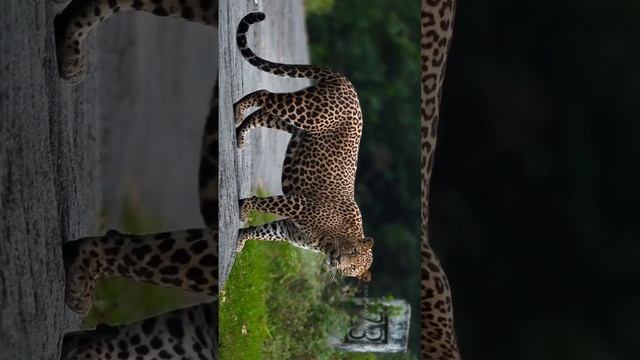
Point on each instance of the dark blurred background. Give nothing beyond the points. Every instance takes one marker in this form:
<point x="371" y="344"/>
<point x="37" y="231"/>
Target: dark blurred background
<point x="534" y="192"/>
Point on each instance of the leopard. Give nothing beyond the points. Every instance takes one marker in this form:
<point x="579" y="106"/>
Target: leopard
<point x="317" y="209"/>
<point x="437" y="338"/>
<point x="184" y="259"/>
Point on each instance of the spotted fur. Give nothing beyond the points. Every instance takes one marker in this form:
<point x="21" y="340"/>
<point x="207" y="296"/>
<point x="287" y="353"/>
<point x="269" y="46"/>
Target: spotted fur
<point x="182" y="334"/>
<point x="318" y="176"/>
<point x="438" y="340"/>
<point x="185" y="259"/>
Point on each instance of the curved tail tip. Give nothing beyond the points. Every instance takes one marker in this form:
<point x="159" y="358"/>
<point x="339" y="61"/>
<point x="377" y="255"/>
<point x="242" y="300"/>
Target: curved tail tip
<point x="254" y="17"/>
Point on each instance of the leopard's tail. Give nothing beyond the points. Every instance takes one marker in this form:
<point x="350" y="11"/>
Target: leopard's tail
<point x="208" y="174"/>
<point x="289" y="70"/>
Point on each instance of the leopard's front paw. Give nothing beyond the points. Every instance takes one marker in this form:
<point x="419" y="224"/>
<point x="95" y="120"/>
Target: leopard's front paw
<point x="72" y="58"/>
<point x="240" y="246"/>
<point x="245" y="209"/>
<point x="238" y="114"/>
<point x="72" y="66"/>
<point x="241" y="137"/>
<point x="242" y="239"/>
<point x="80" y="262"/>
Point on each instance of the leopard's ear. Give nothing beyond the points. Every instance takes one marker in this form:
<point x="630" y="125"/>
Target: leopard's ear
<point x="365" y="276"/>
<point x="367" y="242"/>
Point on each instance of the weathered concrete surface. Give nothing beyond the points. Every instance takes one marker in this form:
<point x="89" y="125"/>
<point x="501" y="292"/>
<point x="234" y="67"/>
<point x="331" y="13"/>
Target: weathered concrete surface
<point x="156" y="77"/>
<point x="49" y="151"/>
<point x="135" y="122"/>
<point x="156" y="80"/>
<point x="282" y="38"/>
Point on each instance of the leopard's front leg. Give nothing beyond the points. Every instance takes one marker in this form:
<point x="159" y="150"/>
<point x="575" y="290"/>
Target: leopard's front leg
<point x="182" y="334"/>
<point x="281" y="230"/>
<point x="185" y="259"/>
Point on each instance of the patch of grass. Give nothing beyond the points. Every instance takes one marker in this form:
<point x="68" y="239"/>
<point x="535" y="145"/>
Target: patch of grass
<point x="243" y="306"/>
<point x="274" y="306"/>
<point x="278" y="304"/>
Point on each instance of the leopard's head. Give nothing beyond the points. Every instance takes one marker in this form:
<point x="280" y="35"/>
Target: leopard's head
<point x="353" y="258"/>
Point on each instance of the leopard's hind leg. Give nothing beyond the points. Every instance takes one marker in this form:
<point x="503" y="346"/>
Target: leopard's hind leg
<point x="185" y="259"/>
<point x="260" y="118"/>
<point x="309" y="109"/>
<point x="188" y="333"/>
<point x="208" y="172"/>
<point x="81" y="16"/>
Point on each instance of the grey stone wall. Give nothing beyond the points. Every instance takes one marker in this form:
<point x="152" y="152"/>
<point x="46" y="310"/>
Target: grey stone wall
<point x="49" y="179"/>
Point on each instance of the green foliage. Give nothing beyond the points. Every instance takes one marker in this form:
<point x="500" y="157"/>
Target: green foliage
<point x="317" y="6"/>
<point x="377" y="307"/>
<point x="304" y="321"/>
<point x="279" y="296"/>
<point x="376" y="44"/>
<point x="279" y="304"/>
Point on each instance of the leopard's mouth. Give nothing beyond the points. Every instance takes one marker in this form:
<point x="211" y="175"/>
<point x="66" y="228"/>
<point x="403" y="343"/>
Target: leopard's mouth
<point x="335" y="262"/>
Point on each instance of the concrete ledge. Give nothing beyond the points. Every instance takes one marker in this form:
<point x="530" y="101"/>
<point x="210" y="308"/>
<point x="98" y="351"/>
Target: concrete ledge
<point x="49" y="183"/>
<point x="281" y="38"/>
